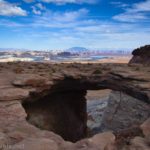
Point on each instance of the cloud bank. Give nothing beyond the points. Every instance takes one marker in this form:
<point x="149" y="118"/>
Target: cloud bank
<point x="9" y="9"/>
<point x="136" y="12"/>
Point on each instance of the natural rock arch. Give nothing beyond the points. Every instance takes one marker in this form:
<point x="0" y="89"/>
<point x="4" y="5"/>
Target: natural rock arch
<point x="63" y="108"/>
<point x="24" y="83"/>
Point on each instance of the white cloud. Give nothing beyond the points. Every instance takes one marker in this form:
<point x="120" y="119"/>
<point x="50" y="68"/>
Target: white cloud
<point x="40" y="6"/>
<point x="59" y="19"/>
<point x="130" y="17"/>
<point x="38" y="9"/>
<point x="140" y="7"/>
<point x="85" y="30"/>
<point x="119" y="4"/>
<point x="70" y="1"/>
<point x="28" y="1"/>
<point x="70" y="16"/>
<point x="138" y="11"/>
<point x="63" y="39"/>
<point x="9" y="9"/>
<point x="60" y="2"/>
<point x="8" y="23"/>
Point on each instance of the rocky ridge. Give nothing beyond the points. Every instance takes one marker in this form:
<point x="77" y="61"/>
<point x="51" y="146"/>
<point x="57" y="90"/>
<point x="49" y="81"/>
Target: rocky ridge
<point x="141" y="56"/>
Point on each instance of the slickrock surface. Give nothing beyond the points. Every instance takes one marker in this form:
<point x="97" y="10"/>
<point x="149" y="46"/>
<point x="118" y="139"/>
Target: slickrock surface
<point x="116" y="111"/>
<point x="23" y="85"/>
<point x="123" y="111"/>
<point x="141" y="56"/>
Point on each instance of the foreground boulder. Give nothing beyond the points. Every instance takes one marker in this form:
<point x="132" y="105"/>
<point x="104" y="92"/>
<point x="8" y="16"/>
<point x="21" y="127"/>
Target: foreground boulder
<point x="141" y="56"/>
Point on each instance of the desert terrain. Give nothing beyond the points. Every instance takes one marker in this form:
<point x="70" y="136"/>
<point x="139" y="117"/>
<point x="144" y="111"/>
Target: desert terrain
<point x="44" y="105"/>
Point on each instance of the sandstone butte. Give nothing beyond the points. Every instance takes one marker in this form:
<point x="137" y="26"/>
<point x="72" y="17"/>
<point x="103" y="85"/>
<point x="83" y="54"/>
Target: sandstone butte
<point x="40" y="101"/>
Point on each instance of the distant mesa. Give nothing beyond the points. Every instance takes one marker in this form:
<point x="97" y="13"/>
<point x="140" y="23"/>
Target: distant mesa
<point x="141" y="56"/>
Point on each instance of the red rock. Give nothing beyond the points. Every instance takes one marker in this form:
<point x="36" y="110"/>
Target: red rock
<point x="29" y="80"/>
<point x="103" y="139"/>
<point x="146" y="128"/>
<point x="10" y="94"/>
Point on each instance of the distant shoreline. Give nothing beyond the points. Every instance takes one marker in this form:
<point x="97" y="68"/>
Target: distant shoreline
<point x="111" y="59"/>
<point x="90" y="59"/>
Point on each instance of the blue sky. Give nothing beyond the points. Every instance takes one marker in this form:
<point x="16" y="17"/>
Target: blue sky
<point x="61" y="24"/>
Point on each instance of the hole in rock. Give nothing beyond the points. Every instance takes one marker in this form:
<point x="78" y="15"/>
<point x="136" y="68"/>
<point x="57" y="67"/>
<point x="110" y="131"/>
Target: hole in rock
<point x="78" y="114"/>
<point x="64" y="113"/>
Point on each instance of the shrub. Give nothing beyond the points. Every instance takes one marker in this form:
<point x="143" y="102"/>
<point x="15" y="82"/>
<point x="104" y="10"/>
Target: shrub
<point x="97" y="72"/>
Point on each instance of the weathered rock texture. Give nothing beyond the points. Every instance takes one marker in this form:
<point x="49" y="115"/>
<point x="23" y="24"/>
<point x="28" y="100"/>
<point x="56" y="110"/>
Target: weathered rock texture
<point x="141" y="56"/>
<point x="28" y="91"/>
<point x="124" y="111"/>
<point x="117" y="111"/>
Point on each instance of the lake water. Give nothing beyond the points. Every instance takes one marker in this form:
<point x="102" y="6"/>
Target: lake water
<point x="77" y="58"/>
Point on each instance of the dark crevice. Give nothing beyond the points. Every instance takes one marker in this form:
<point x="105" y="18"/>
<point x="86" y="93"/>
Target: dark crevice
<point x="64" y="113"/>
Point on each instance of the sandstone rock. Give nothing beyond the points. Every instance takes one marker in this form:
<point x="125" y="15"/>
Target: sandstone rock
<point x="29" y="80"/>
<point x="111" y="146"/>
<point x="139" y="143"/>
<point x="57" y="76"/>
<point x="146" y="128"/>
<point x="36" y="144"/>
<point x="3" y="140"/>
<point x="124" y="111"/>
<point x="81" y="145"/>
<point x="8" y="94"/>
<point x="102" y="139"/>
<point x="11" y="112"/>
<point x="141" y="56"/>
